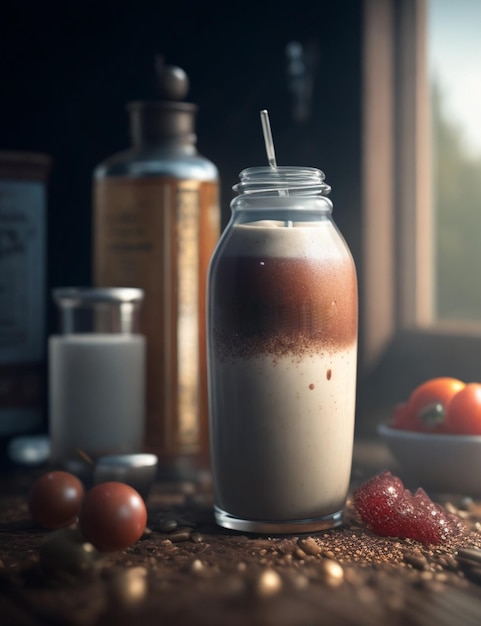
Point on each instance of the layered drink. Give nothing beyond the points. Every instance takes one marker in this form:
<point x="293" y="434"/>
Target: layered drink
<point x="282" y="372"/>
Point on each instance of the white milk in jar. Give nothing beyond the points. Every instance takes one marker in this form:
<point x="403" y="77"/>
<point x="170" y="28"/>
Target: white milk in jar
<point x="282" y="329"/>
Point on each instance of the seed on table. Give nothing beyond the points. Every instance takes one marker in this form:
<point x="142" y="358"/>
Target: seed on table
<point x="449" y="562"/>
<point x="129" y="586"/>
<point x="417" y="560"/>
<point x="181" y="534"/>
<point x="168" y="525"/>
<point x="269" y="583"/>
<point x="332" y="573"/>
<point x="197" y="565"/>
<point x="299" y="553"/>
<point x="166" y="542"/>
<point x="309" y="546"/>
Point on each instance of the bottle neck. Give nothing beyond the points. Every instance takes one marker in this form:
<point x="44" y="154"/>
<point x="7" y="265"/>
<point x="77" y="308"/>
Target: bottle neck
<point x="163" y="123"/>
<point x="266" y="193"/>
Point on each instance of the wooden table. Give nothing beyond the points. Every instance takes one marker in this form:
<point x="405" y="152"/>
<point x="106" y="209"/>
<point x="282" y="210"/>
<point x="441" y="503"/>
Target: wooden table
<point x="199" y="574"/>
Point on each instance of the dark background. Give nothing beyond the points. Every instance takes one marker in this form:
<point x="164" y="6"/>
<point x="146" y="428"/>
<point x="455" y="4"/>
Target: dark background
<point x="68" y="70"/>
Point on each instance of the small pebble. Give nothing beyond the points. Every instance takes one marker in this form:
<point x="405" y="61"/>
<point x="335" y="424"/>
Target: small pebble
<point x="269" y="583"/>
<point x="332" y="573"/>
<point x="196" y="537"/>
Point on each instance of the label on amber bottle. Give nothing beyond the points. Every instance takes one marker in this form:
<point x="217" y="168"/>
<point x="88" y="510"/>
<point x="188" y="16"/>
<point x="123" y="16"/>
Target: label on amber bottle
<point x="158" y="234"/>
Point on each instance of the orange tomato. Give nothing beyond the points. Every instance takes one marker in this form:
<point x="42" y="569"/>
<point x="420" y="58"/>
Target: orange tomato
<point x="463" y="416"/>
<point x="428" y="404"/>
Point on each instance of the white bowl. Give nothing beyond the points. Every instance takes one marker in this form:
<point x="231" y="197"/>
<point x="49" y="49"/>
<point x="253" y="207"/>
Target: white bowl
<point x="437" y="463"/>
<point x="137" y="470"/>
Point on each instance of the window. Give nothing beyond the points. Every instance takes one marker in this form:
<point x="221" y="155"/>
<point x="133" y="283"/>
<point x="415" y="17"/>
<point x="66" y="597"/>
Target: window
<point x="454" y="64"/>
<point x="412" y="327"/>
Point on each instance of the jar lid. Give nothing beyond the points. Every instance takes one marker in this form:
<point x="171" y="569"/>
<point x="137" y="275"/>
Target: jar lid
<point x="77" y="295"/>
<point x="24" y="165"/>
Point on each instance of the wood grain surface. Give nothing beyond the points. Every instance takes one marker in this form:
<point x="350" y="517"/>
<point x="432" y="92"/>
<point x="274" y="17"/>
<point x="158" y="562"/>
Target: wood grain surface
<point x="187" y="571"/>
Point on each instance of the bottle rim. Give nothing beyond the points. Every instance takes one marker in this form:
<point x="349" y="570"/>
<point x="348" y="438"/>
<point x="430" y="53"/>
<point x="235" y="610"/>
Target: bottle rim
<point x="283" y="179"/>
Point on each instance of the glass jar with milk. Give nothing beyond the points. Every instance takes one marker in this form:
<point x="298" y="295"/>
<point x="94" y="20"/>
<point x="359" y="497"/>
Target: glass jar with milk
<point x="96" y="374"/>
<point x="282" y="332"/>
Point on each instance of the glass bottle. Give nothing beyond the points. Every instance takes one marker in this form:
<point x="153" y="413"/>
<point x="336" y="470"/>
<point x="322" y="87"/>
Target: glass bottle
<point x="96" y="374"/>
<point x="156" y="223"/>
<point x="282" y="350"/>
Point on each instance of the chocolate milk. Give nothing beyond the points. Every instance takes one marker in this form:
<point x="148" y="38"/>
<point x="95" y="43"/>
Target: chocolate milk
<point x="283" y="343"/>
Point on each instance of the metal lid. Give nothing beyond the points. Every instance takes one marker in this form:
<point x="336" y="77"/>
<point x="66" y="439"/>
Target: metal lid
<point x="77" y="295"/>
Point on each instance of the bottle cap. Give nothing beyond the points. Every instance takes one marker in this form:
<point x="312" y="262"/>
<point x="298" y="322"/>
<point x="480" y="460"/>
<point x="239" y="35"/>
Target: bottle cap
<point x="98" y="309"/>
<point x="168" y="117"/>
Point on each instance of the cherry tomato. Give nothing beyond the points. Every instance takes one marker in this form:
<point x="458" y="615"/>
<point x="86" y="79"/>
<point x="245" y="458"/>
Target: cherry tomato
<point x="54" y="499"/>
<point x="428" y="404"/>
<point x="113" y="516"/>
<point x="463" y="416"/>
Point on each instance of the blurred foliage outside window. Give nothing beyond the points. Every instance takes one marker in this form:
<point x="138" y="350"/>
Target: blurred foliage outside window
<point x="454" y="48"/>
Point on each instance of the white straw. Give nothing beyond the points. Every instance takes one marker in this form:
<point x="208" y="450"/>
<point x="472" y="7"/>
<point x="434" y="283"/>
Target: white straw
<point x="266" y="129"/>
<point x="271" y="154"/>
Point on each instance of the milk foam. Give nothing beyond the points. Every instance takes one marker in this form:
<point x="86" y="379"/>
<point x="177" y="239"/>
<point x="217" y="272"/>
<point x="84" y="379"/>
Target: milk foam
<point x="270" y="238"/>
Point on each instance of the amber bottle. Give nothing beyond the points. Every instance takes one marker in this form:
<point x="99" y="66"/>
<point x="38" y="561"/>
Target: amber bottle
<point x="156" y="223"/>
